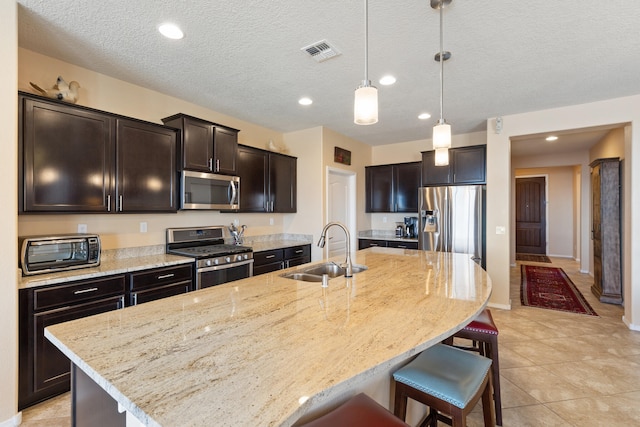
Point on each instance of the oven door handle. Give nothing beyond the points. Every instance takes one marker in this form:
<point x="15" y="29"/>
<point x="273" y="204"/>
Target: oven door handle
<point x="225" y="266"/>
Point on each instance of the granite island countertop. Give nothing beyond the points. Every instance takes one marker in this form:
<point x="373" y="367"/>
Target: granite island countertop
<point x="267" y="350"/>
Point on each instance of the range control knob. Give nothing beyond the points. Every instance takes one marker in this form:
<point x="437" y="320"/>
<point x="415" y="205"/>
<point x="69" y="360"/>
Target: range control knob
<point x="228" y="259"/>
<point x="239" y="258"/>
<point x="207" y="262"/>
<point x="216" y="261"/>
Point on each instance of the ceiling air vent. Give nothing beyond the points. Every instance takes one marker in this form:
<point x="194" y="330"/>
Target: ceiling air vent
<point x="321" y="51"/>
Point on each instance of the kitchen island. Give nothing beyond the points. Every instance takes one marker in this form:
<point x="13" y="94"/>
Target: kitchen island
<point x="268" y="350"/>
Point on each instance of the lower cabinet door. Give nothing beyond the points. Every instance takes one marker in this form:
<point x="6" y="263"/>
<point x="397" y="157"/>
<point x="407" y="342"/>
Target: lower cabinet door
<point x="160" y="292"/>
<point x="50" y="373"/>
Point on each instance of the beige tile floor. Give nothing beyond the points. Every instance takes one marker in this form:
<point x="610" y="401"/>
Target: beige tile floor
<point x="557" y="369"/>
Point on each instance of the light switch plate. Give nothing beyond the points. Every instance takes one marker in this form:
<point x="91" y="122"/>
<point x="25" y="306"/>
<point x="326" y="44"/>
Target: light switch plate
<point x="143" y="227"/>
<point x="501" y="229"/>
<point x="82" y="228"/>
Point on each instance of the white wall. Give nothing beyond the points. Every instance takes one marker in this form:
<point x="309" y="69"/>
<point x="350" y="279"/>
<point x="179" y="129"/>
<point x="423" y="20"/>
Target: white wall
<point x="8" y="218"/>
<point x="614" y="111"/>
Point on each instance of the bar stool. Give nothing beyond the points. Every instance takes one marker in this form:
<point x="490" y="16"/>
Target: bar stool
<point x="359" y="411"/>
<point x="449" y="381"/>
<point x="483" y="333"/>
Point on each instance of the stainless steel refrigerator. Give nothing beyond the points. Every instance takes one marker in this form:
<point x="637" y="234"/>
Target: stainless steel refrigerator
<point x="451" y="219"/>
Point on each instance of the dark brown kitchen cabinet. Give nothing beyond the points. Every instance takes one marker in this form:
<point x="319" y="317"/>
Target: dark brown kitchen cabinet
<point x="402" y="244"/>
<point x="605" y="230"/>
<point x="43" y="369"/>
<point x="267" y="181"/>
<point x="146" y="173"/>
<point x="77" y="159"/>
<point x="467" y="165"/>
<point x="157" y="283"/>
<point x="205" y="146"/>
<point x="393" y="188"/>
<point x="278" y="259"/>
<point x="67" y="157"/>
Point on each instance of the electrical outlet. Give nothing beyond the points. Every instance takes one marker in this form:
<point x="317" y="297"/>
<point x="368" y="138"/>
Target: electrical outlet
<point x="270" y="221"/>
<point x="82" y="228"/>
<point x="500" y="230"/>
<point x="384" y="219"/>
<point x="143" y="227"/>
<point x="236" y="222"/>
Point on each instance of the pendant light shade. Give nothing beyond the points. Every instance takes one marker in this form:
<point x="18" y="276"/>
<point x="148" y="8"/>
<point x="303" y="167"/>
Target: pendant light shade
<point x="442" y="157"/>
<point x="365" y="105"/>
<point x="442" y="135"/>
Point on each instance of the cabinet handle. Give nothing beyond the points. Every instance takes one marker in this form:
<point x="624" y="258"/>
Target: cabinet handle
<point x="120" y="200"/>
<point x="271" y="206"/>
<point x="109" y="203"/>
<point x="299" y="251"/>
<point x="210" y="164"/>
<point x="166" y="276"/>
<point x="270" y="256"/>
<point x="84" y="291"/>
<point x="402" y="246"/>
<point x="135" y="298"/>
<point x="217" y="165"/>
<point x="121" y="302"/>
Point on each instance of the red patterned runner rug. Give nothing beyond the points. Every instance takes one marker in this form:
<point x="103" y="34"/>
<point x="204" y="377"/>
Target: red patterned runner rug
<point x="550" y="287"/>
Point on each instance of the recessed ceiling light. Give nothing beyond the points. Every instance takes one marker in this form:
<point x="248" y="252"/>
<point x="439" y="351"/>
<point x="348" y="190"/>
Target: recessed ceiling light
<point x="171" y="31"/>
<point x="305" y="101"/>
<point x="552" y="138"/>
<point x="387" y="80"/>
<point x="424" y="116"/>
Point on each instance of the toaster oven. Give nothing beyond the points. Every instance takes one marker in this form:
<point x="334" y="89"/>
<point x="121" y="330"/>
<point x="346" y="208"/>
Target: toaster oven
<point x="47" y="254"/>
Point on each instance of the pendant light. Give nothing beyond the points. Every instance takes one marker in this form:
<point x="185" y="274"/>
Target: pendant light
<point x="441" y="131"/>
<point x="365" y="106"/>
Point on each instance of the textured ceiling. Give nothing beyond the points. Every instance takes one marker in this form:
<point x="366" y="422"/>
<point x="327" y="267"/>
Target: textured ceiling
<point x="243" y="58"/>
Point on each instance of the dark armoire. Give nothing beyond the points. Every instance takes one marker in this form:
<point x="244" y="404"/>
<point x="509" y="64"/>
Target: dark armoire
<point x="605" y="230"/>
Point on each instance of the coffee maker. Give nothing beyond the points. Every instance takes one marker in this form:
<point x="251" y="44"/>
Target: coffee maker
<point x="411" y="227"/>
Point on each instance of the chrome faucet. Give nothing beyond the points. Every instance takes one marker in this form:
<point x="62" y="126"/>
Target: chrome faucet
<point x="321" y="243"/>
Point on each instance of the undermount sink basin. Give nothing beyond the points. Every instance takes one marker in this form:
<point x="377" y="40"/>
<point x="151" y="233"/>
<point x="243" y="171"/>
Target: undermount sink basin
<point x="315" y="272"/>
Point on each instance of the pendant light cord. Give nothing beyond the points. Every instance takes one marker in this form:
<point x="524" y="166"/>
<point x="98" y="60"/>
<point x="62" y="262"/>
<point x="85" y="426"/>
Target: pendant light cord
<point x="441" y="63"/>
<point x="366" y="43"/>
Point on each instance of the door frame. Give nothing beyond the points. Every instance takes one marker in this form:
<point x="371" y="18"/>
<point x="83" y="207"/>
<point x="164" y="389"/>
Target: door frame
<point x="546" y="206"/>
<point x="351" y="219"/>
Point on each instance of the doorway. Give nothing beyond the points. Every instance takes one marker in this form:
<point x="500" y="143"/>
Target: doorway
<point x="531" y="218"/>
<point x="341" y="207"/>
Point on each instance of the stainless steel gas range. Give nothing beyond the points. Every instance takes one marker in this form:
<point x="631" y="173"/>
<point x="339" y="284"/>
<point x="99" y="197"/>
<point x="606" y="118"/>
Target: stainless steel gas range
<point x="216" y="262"/>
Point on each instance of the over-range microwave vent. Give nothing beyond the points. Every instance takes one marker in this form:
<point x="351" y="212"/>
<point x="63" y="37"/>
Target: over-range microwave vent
<point x="321" y="51"/>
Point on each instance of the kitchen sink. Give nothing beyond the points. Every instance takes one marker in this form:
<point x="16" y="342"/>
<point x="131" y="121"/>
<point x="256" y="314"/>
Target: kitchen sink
<point x="315" y="272"/>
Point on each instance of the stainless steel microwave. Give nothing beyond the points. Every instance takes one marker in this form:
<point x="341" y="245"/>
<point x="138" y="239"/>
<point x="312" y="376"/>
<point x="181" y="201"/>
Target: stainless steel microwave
<point x="46" y="254"/>
<point x="202" y="190"/>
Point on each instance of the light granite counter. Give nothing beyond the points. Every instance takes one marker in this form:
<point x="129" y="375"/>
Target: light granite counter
<point x="268" y="351"/>
<point x="107" y="267"/>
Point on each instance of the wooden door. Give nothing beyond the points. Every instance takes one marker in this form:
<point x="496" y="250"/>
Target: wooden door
<point x="531" y="221"/>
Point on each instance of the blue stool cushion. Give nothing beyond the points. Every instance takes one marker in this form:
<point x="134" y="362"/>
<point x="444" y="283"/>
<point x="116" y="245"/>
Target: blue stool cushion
<point x="448" y="373"/>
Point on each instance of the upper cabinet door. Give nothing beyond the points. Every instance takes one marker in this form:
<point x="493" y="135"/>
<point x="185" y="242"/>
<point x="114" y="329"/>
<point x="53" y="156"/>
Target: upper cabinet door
<point x="253" y="170"/>
<point x="146" y="168"/>
<point x="380" y="195"/>
<point x="282" y="183"/>
<point x="225" y="147"/>
<point x="206" y="146"/>
<point x="467" y="165"/>
<point x="66" y="158"/>
<point x="407" y="180"/>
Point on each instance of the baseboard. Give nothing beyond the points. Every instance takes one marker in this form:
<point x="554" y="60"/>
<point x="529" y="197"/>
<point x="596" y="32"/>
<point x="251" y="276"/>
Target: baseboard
<point x="630" y="325"/>
<point x="584" y="271"/>
<point x="500" y="306"/>
<point x="14" y="421"/>
<point x="561" y="256"/>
